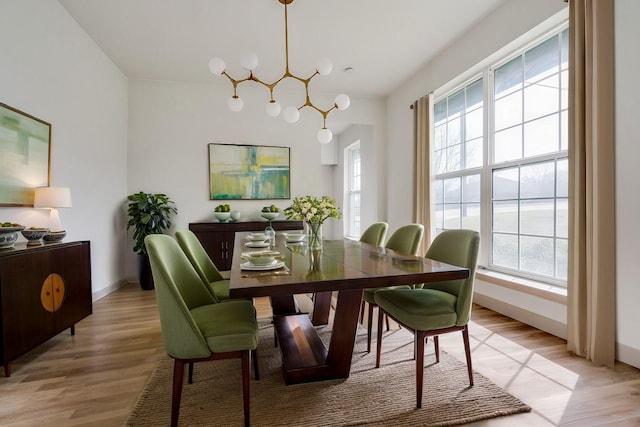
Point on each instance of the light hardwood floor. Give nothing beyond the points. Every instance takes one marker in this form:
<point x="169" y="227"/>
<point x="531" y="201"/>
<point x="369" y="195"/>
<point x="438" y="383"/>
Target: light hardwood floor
<point x="94" y="377"/>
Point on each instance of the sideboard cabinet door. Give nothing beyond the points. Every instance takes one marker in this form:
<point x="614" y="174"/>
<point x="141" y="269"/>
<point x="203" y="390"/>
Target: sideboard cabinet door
<point x="25" y="322"/>
<point x="73" y="264"/>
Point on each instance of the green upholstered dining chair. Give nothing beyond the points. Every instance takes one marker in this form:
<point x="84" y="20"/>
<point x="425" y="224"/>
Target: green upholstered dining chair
<point x="375" y="234"/>
<point x="204" y="266"/>
<point x="194" y="327"/>
<point x="405" y="239"/>
<point x="436" y="308"/>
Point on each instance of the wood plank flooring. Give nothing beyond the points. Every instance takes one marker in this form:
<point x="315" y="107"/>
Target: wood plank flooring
<point x="94" y="377"/>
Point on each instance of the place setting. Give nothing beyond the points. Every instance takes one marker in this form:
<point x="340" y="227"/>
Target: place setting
<point x="294" y="237"/>
<point x="257" y="240"/>
<point x="270" y="262"/>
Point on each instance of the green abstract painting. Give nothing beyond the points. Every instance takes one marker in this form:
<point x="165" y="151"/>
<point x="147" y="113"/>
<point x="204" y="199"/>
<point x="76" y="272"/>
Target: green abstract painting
<point x="238" y="172"/>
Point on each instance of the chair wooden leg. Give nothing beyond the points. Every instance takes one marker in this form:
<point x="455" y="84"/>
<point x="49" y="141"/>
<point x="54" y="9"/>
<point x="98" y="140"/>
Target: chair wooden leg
<point x="256" y="371"/>
<point x="246" y="380"/>
<point x="436" y="346"/>
<point x="190" y="377"/>
<point x="379" y="338"/>
<point x="362" y="311"/>
<point x="178" y="378"/>
<point x="386" y="318"/>
<point x="419" y="340"/>
<point x="369" y="325"/>
<point x="467" y="352"/>
<point x="275" y="337"/>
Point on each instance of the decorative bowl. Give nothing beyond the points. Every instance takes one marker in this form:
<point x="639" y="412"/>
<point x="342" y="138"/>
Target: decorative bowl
<point x="34" y="235"/>
<point x="222" y="216"/>
<point x="54" y="236"/>
<point x="270" y="215"/>
<point x="293" y="237"/>
<point x="260" y="258"/>
<point x="9" y="235"/>
<point x="235" y="215"/>
<point x="257" y="237"/>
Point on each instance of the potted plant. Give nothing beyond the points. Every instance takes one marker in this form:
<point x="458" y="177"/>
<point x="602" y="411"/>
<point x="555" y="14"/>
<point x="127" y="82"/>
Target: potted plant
<point x="149" y="213"/>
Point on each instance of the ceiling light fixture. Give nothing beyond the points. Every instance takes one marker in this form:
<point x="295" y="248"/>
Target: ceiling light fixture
<point x="290" y="114"/>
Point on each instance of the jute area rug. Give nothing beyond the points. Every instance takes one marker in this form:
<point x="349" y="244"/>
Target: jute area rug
<point x="370" y="396"/>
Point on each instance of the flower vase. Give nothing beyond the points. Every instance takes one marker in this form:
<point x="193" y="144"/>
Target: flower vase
<point x="315" y="265"/>
<point x="314" y="235"/>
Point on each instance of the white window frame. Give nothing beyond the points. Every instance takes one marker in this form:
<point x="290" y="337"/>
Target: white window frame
<point x="484" y="71"/>
<point x="352" y="221"/>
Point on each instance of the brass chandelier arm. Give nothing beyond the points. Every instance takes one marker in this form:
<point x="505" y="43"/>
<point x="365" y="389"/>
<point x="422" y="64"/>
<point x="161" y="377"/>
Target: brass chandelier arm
<point x="272" y="86"/>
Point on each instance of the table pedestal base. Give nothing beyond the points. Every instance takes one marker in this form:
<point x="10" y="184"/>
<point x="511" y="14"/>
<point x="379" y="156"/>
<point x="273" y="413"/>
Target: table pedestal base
<point x="304" y="356"/>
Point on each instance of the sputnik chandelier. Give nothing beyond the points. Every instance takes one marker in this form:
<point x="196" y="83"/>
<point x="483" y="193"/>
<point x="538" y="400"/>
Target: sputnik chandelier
<point x="291" y="114"/>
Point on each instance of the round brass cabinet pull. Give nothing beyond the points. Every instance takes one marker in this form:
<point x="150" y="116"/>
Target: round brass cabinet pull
<point x="52" y="292"/>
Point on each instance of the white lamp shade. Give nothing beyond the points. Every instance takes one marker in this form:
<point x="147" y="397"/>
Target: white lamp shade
<point x="249" y="61"/>
<point x="325" y="135"/>
<point x="217" y="66"/>
<point x="273" y="108"/>
<point x="52" y="197"/>
<point x="291" y="114"/>
<point x="324" y="66"/>
<point x="343" y="101"/>
<point x="235" y="104"/>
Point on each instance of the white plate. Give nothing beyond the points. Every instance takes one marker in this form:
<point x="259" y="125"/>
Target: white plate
<point x="257" y="244"/>
<point x="248" y="266"/>
<point x="295" y="240"/>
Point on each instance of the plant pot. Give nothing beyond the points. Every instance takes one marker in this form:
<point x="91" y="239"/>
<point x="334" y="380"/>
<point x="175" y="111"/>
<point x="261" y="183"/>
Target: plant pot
<point x="144" y="272"/>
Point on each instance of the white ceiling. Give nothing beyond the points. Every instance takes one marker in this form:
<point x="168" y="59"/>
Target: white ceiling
<point x="384" y="41"/>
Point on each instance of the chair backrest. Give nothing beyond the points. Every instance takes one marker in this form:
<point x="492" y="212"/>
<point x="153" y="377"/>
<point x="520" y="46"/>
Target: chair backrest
<point x="406" y="239"/>
<point x="178" y="290"/>
<point x="198" y="257"/>
<point x="375" y="233"/>
<point x="457" y="247"/>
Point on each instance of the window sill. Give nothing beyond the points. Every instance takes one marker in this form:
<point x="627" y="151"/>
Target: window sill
<point x="542" y="290"/>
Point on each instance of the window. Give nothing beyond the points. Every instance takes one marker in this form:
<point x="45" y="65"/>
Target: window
<point x="353" y="174"/>
<point x="458" y="154"/>
<point x="503" y="169"/>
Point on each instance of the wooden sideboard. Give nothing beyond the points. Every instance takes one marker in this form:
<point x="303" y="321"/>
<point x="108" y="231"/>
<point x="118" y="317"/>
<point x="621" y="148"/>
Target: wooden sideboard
<point x="43" y="291"/>
<point x="218" y="237"/>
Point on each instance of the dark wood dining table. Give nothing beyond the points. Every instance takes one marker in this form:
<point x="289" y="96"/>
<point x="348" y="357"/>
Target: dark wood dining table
<point x="346" y="266"/>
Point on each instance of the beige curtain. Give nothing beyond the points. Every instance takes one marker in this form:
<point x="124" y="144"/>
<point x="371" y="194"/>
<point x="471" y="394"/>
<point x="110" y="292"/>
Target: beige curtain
<point x="422" y="110"/>
<point x="591" y="275"/>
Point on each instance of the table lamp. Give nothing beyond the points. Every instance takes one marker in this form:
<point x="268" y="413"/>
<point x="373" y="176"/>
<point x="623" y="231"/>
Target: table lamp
<point x="52" y="198"/>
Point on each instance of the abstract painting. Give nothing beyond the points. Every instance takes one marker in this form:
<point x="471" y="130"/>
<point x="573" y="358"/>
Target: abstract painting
<point x="238" y="172"/>
<point x="25" y="144"/>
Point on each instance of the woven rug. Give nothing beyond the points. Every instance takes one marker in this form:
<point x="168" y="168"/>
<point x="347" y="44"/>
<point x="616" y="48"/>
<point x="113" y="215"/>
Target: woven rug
<point x="370" y="396"/>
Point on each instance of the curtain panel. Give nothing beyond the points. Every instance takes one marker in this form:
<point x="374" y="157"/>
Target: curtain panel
<point x="591" y="275"/>
<point x="423" y="117"/>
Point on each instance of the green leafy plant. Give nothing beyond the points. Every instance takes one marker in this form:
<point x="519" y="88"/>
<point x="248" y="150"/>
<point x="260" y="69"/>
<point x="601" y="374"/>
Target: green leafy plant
<point x="148" y="214"/>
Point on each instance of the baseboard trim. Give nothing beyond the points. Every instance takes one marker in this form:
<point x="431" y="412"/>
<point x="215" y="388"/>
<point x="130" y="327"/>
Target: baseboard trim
<point x="533" y="319"/>
<point x="95" y="296"/>
<point x="628" y="355"/>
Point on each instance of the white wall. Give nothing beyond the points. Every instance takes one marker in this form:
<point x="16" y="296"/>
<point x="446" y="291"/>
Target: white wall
<point x="507" y="23"/>
<point x="627" y="16"/>
<point x="52" y="70"/>
<point x="172" y="123"/>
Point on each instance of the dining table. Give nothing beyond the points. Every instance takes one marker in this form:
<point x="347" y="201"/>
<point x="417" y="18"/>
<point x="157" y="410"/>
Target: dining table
<point x="344" y="267"/>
